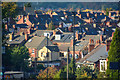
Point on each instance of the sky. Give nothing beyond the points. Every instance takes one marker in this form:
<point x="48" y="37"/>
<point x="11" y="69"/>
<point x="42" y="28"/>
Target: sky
<point x="60" y="0"/>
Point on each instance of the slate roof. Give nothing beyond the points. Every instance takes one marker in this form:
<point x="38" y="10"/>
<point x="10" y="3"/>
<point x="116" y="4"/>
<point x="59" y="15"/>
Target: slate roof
<point x="66" y="38"/>
<point x="70" y="19"/>
<point x="56" y="19"/>
<point x="91" y="30"/>
<point x="16" y="40"/>
<point x="53" y="48"/>
<point x="42" y="19"/>
<point x="37" y="42"/>
<point x="41" y="32"/>
<point x="83" y="42"/>
<point x="40" y="27"/>
<point x="63" y="47"/>
<point x="60" y="13"/>
<point x="21" y="25"/>
<point x="96" y="54"/>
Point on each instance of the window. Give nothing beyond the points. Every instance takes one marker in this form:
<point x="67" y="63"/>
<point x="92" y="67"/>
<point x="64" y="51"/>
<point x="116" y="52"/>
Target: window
<point x="70" y="55"/>
<point x="76" y="56"/>
<point x="41" y="54"/>
<point x="3" y="50"/>
<point x="61" y="54"/>
<point x="33" y="51"/>
<point x="103" y="65"/>
<point x="47" y="54"/>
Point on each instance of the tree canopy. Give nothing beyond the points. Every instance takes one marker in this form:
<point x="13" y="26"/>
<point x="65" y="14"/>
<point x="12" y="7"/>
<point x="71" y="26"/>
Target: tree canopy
<point x="43" y="73"/>
<point x="114" y="53"/>
<point x="8" y="9"/>
<point x="27" y="5"/>
<point x="51" y="26"/>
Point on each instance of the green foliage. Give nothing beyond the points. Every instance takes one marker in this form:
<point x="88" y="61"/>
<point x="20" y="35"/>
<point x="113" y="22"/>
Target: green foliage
<point x="51" y="26"/>
<point x="27" y="5"/>
<point x="43" y="73"/>
<point x="107" y="11"/>
<point x="8" y="9"/>
<point x="40" y="66"/>
<point x="114" y="53"/>
<point x="19" y="56"/>
<point x="84" y="72"/>
<point x="63" y="72"/>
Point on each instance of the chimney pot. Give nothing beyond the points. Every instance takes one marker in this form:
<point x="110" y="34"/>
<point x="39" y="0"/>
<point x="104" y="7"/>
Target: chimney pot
<point x="90" y="47"/>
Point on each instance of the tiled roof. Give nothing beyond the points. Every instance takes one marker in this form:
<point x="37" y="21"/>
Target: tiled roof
<point x="66" y="38"/>
<point x="37" y="42"/>
<point x="96" y="54"/>
<point x="17" y="40"/>
<point x="41" y="32"/>
<point x="53" y="48"/>
<point x="84" y="42"/>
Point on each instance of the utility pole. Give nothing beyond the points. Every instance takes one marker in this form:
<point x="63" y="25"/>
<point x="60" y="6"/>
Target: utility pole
<point x="47" y="57"/>
<point x="68" y="63"/>
<point x="74" y="43"/>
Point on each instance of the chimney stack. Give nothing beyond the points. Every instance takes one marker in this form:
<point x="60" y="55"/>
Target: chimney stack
<point x="71" y="42"/>
<point x="94" y="25"/>
<point x="96" y="15"/>
<point x="105" y="18"/>
<point x="100" y="13"/>
<point x="28" y="30"/>
<point x="78" y="11"/>
<point x="101" y="38"/>
<point x="26" y="37"/>
<point x="14" y="26"/>
<point x="54" y="32"/>
<point x="77" y="35"/>
<point x="11" y="36"/>
<point x="110" y="14"/>
<point x="36" y="15"/>
<point x="66" y="16"/>
<point x="6" y="27"/>
<point x="88" y="14"/>
<point x="24" y="8"/>
<point x="90" y="41"/>
<point x="28" y="16"/>
<point x="91" y="45"/>
<point x="108" y="44"/>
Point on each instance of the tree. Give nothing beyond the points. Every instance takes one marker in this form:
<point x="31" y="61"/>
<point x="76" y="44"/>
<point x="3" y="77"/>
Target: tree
<point x="63" y="72"/>
<point x="51" y="26"/>
<point x="114" y="53"/>
<point x="43" y="73"/>
<point x="19" y="58"/>
<point x="8" y="9"/>
<point x="84" y="72"/>
<point x="27" y="5"/>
